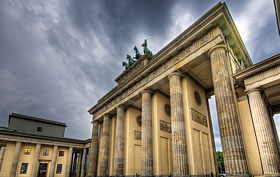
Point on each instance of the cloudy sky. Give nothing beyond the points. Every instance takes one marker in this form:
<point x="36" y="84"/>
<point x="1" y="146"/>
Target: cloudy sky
<point x="57" y="58"/>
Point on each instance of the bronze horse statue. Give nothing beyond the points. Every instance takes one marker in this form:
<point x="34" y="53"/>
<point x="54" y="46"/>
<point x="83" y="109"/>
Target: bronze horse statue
<point x="130" y="61"/>
<point x="137" y="53"/>
<point x="146" y="50"/>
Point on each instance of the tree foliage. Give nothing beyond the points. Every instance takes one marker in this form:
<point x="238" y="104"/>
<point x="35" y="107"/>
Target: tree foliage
<point x="220" y="162"/>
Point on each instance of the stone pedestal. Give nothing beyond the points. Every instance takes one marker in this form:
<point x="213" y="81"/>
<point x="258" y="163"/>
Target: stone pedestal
<point x="104" y="148"/>
<point x="119" y="143"/>
<point x="267" y="143"/>
<point x="69" y="161"/>
<point x="35" y="162"/>
<point x="15" y="160"/>
<point x="53" y="163"/>
<point x="146" y="135"/>
<point x="230" y="132"/>
<point x="83" y="162"/>
<point x="92" y="155"/>
<point x="179" y="148"/>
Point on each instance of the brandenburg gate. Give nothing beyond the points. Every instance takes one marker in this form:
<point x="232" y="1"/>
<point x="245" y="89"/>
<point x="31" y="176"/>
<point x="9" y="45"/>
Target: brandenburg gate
<point x="156" y="121"/>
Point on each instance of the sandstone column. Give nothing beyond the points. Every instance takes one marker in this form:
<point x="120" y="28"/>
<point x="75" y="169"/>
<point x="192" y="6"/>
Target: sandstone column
<point x="104" y="147"/>
<point x="146" y="135"/>
<point x="179" y="147"/>
<point x="75" y="154"/>
<point x="35" y="162"/>
<point x="264" y="133"/>
<point x="230" y="132"/>
<point x="92" y="155"/>
<point x="54" y="157"/>
<point x="69" y="161"/>
<point x="83" y="162"/>
<point x="13" y="169"/>
<point x="119" y="143"/>
<point x="79" y="164"/>
<point x="3" y="149"/>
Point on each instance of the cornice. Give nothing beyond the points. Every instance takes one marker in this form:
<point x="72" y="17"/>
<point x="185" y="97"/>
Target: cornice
<point x="257" y="68"/>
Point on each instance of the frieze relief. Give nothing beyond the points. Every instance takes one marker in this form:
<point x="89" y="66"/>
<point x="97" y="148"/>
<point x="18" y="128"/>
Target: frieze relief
<point x="137" y="135"/>
<point x="165" y="126"/>
<point x="161" y="69"/>
<point x="199" y="118"/>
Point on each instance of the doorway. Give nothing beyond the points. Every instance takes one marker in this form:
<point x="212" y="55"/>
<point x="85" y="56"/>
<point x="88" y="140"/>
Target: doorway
<point x="43" y="169"/>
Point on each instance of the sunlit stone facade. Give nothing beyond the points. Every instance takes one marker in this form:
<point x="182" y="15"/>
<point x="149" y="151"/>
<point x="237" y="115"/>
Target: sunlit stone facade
<point x="156" y="121"/>
<point x="158" y="114"/>
<point x="30" y="148"/>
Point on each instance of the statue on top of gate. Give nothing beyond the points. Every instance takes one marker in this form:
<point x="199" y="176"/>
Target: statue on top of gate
<point x="137" y="55"/>
<point x="146" y="50"/>
<point x="130" y="61"/>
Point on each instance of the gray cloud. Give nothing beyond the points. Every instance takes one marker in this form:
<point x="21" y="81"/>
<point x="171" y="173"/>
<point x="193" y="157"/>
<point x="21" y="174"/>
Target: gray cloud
<point x="57" y="58"/>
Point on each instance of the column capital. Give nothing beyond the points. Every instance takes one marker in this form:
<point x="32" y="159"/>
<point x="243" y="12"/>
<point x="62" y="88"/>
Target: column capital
<point x="176" y="73"/>
<point x="120" y="106"/>
<point x="253" y="90"/>
<point x="216" y="47"/>
<point x="146" y="91"/>
<point x="106" y="115"/>
<point x="95" y="122"/>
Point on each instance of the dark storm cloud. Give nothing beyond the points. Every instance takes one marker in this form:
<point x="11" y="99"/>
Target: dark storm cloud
<point x="57" y="58"/>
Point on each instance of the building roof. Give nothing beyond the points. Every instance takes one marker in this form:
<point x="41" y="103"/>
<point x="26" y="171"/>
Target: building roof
<point x="41" y="136"/>
<point x="21" y="116"/>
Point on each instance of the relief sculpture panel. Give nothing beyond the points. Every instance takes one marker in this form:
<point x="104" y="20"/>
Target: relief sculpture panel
<point x="199" y="118"/>
<point x="165" y="126"/>
<point x="137" y="135"/>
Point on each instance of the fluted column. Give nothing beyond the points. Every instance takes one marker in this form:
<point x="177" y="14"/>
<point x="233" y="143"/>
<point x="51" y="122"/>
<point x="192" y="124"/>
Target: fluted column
<point x="75" y="154"/>
<point x="3" y="149"/>
<point x="69" y="161"/>
<point x="79" y="164"/>
<point x="53" y="163"/>
<point x="179" y="147"/>
<point x="83" y="162"/>
<point x="146" y="135"/>
<point x="264" y="133"/>
<point x="92" y="154"/>
<point x="119" y="143"/>
<point x="35" y="162"/>
<point x="230" y="132"/>
<point x="104" y="147"/>
<point x="15" y="160"/>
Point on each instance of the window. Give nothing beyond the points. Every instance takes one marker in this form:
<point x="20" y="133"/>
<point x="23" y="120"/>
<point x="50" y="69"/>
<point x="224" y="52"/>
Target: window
<point x="27" y="151"/>
<point x="61" y="153"/>
<point x="23" y="169"/>
<point x="39" y="129"/>
<point x="59" y="169"/>
<point x="46" y="152"/>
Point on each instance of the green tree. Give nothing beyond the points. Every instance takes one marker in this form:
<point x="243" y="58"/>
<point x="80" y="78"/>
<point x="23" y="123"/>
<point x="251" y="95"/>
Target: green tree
<point x="220" y="162"/>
